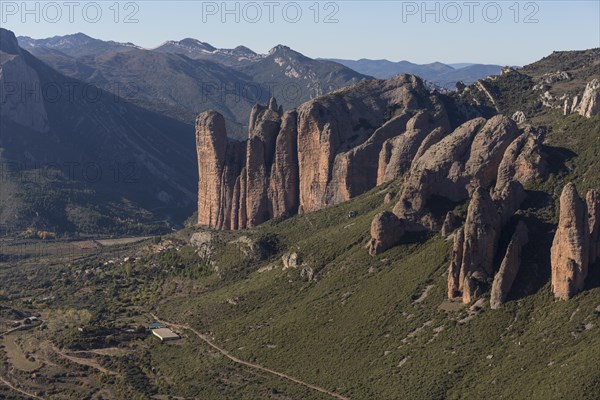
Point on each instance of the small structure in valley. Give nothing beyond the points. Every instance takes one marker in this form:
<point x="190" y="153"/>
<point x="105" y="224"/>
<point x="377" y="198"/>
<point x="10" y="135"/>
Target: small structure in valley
<point x="165" y="334"/>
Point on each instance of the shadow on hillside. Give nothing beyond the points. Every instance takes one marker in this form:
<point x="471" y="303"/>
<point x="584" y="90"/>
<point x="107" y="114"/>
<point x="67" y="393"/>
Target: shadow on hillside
<point x="535" y="265"/>
<point x="416" y="237"/>
<point x="537" y="200"/>
<point x="593" y="278"/>
<point x="557" y="158"/>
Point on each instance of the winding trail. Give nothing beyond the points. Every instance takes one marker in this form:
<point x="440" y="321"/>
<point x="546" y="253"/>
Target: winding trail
<point x="236" y="360"/>
<point x="83" y="361"/>
<point x="16" y="389"/>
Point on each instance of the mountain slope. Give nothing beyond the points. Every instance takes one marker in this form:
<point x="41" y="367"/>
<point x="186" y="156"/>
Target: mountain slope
<point x="300" y="78"/>
<point x="182" y="79"/>
<point x="557" y="82"/>
<point x="197" y="50"/>
<point x="75" y="45"/>
<point x="303" y="297"/>
<point x="82" y="159"/>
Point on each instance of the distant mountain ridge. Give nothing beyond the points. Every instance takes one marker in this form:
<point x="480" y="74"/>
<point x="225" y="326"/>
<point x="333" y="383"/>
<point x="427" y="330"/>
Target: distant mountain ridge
<point x="440" y="74"/>
<point x="183" y="78"/>
<point x="75" y="45"/>
<point x="197" y="50"/>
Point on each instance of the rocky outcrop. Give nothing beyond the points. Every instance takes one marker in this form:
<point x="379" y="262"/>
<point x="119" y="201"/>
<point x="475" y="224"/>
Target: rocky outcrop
<point x="398" y="152"/>
<point x="509" y="268"/>
<point x="476" y="243"/>
<point x="456" y="264"/>
<point x="290" y="260"/>
<point x="593" y="206"/>
<point x="202" y="241"/>
<point x="519" y="117"/>
<point x="341" y="135"/>
<point x="523" y="160"/>
<point x="324" y="153"/>
<point x="570" y="249"/>
<point x="451" y="222"/>
<point x="218" y="165"/>
<point x="481" y="235"/>
<point x="508" y="199"/>
<point x="590" y="101"/>
<point x="386" y="231"/>
<point x="260" y="152"/>
<point x="467" y="158"/>
<point x="283" y="192"/>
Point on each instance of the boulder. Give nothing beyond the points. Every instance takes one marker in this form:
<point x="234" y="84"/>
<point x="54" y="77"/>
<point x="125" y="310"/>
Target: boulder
<point x="290" y="260"/>
<point x="519" y="117"/>
<point x="569" y="255"/>
<point x="203" y="242"/>
<point x="389" y="197"/>
<point x="386" y="231"/>
<point x="509" y="268"/>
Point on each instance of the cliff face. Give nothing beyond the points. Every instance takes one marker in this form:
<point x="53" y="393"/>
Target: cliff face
<point x="486" y="161"/>
<point x="570" y="253"/>
<point x="590" y="100"/>
<point x="324" y="153"/>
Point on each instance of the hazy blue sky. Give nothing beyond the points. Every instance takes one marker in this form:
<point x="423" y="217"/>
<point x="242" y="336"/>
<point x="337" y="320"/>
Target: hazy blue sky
<point x="465" y="31"/>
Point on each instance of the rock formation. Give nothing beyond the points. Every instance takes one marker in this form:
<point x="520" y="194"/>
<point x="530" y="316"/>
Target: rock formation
<point x="386" y="231"/>
<point x="398" y="152"/>
<point x="451" y="222"/>
<point x="452" y="168"/>
<point x="519" y="117"/>
<point x="481" y="236"/>
<point x="509" y="268"/>
<point x="324" y="153"/>
<point x="217" y="168"/>
<point x="523" y="160"/>
<point x="476" y="243"/>
<point x="456" y="264"/>
<point x="290" y="260"/>
<point x="590" y="101"/>
<point x="570" y="248"/>
<point x="593" y="205"/>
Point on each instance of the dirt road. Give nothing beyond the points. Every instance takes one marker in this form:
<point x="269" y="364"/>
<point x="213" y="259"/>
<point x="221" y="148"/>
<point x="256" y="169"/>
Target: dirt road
<point x="236" y="360"/>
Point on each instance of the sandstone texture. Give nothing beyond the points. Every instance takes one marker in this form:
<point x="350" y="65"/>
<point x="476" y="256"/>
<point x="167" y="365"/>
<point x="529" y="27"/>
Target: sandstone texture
<point x="452" y="168"/>
<point x="325" y="152"/>
<point x="386" y="231"/>
<point x="570" y="248"/>
<point x="481" y="235"/>
<point x="590" y="101"/>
